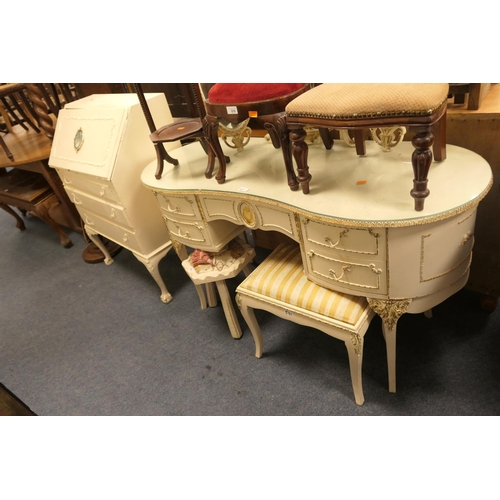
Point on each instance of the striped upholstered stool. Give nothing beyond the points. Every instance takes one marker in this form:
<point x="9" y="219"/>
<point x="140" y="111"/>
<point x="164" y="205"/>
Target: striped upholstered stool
<point x="279" y="286"/>
<point x="361" y="106"/>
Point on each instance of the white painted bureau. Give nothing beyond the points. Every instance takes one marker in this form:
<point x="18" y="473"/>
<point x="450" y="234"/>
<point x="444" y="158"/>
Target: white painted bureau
<point x="101" y="145"/>
<point x="357" y="228"/>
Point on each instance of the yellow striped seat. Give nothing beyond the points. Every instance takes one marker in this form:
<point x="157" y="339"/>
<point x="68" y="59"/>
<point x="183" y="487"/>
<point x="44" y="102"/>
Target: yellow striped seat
<point x="280" y="286"/>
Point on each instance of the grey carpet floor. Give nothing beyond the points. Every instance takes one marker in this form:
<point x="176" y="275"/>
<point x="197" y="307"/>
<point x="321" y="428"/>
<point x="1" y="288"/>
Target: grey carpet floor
<point x="82" y="339"/>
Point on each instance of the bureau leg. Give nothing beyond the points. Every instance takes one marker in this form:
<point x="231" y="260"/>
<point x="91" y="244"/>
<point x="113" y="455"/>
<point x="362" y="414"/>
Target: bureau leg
<point x="96" y="240"/>
<point x="227" y="306"/>
<point x="152" y="265"/>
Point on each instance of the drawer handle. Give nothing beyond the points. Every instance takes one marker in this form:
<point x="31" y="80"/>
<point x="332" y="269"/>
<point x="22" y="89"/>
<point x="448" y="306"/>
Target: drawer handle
<point x="113" y="215"/>
<point x="125" y="237"/>
<point x="102" y="192"/>
<point x="466" y="238"/>
<point x="341" y="235"/>
<point x="75" y="200"/>
<point x="185" y="235"/>
<point x="66" y="181"/>
<point x="88" y="221"/>
<point x="175" y="210"/>
<point x="345" y="269"/>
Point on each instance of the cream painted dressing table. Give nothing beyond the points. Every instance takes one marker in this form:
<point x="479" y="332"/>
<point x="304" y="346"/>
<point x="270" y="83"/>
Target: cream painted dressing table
<point x="357" y="229"/>
<point x="101" y="145"/>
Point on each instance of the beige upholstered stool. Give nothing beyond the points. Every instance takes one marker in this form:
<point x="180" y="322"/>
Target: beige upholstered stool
<point x="216" y="268"/>
<point x="419" y="107"/>
<point x="279" y="286"/>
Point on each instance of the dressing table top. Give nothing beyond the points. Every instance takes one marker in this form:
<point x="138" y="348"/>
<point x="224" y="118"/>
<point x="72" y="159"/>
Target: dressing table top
<point x="373" y="190"/>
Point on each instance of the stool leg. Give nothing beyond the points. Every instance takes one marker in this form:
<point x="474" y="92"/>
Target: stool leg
<point x="421" y="161"/>
<point x="251" y="321"/>
<point x="211" y="296"/>
<point x="228" y="308"/>
<point x="210" y="127"/>
<point x="355" y="364"/>
<point x="300" y="151"/>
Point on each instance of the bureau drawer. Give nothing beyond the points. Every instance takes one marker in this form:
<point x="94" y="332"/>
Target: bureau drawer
<point x="123" y="236"/>
<point x="352" y="274"/>
<point x="346" y="240"/>
<point x="95" y="186"/>
<point x="115" y="213"/>
<point x="178" y="207"/>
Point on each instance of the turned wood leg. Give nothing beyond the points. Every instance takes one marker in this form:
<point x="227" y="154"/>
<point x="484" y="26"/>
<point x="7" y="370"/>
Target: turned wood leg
<point x="152" y="265"/>
<point x="355" y="353"/>
<point x="421" y="161"/>
<point x="276" y="125"/>
<point x="42" y="211"/>
<point x="210" y="128"/>
<point x="251" y="321"/>
<point x="300" y="152"/>
<point x="96" y="240"/>
<point x="227" y="306"/>
<point x="20" y="223"/>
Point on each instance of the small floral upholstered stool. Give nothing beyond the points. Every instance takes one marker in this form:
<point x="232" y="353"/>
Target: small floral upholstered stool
<point x="279" y="286"/>
<point x="206" y="269"/>
<point x="421" y="107"/>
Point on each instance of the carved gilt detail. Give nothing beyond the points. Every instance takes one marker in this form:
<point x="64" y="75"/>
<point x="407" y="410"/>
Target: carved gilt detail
<point x="389" y="310"/>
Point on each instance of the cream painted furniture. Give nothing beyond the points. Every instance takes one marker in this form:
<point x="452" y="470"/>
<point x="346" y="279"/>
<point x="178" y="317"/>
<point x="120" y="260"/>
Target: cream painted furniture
<point x="222" y="266"/>
<point x="100" y="148"/>
<point x="279" y="285"/>
<point x="358" y="234"/>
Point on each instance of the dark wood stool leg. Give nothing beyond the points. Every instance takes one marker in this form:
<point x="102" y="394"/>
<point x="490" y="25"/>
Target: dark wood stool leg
<point x="359" y="140"/>
<point x="276" y="126"/>
<point x="210" y="128"/>
<point x="300" y="151"/>
<point x="326" y="137"/>
<point x="421" y="161"/>
<point x="162" y="155"/>
<point x="439" y="132"/>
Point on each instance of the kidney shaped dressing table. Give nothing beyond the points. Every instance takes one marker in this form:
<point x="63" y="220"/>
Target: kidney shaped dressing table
<point x="358" y="231"/>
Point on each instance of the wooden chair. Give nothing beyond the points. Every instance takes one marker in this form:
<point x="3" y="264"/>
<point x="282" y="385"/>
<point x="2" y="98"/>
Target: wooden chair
<point x="181" y="129"/>
<point x="236" y="103"/>
<point x="279" y="286"/>
<point x="26" y="180"/>
<point x="358" y="107"/>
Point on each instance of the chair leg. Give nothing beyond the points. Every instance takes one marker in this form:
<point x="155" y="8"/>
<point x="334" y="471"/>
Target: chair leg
<point x="210" y="128"/>
<point x="300" y="151"/>
<point x="161" y="155"/>
<point x="20" y="223"/>
<point x="360" y="141"/>
<point x="421" y="161"/>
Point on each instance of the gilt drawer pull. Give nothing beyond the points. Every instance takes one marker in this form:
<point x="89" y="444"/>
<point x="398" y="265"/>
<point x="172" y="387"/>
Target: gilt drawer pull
<point x="125" y="237"/>
<point x="175" y="210"/>
<point x="113" y="215"/>
<point x="75" y="200"/>
<point x="341" y="235"/>
<point x="88" y="221"/>
<point x="102" y="192"/>
<point x="345" y="269"/>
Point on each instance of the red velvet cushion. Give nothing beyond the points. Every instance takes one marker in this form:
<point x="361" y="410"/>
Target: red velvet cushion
<point x="232" y="93"/>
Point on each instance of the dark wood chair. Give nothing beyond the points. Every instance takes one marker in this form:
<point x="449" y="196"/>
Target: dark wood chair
<point x="234" y="103"/>
<point x="358" y="107"/>
<point x="181" y="129"/>
<point x="26" y="180"/>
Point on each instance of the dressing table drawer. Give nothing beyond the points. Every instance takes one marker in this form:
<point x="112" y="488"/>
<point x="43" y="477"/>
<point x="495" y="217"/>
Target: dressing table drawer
<point x="178" y="207"/>
<point x="367" y="276"/>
